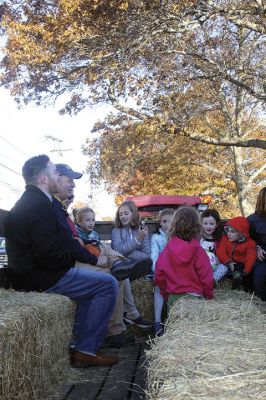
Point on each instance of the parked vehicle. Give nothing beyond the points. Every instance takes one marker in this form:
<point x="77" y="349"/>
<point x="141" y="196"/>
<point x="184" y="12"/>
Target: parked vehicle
<point x="150" y="205"/>
<point x="3" y="255"/>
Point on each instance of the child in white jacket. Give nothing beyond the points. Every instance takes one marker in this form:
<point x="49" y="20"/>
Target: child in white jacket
<point x="158" y="243"/>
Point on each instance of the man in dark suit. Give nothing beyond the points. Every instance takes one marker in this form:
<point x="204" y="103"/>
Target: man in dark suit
<point x="39" y="259"/>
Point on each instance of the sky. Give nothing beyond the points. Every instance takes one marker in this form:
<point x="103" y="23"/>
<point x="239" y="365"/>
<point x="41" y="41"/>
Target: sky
<point x="23" y="134"/>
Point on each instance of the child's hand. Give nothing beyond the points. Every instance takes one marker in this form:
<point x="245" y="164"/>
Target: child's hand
<point x="261" y="254"/>
<point x="231" y="265"/>
<point x="142" y="232"/>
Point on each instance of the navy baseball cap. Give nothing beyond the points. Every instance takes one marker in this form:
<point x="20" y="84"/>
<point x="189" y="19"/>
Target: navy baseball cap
<point x="66" y="170"/>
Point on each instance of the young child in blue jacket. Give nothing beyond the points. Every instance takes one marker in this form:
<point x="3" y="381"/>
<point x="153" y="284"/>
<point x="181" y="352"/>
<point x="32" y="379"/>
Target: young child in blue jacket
<point x="158" y="243"/>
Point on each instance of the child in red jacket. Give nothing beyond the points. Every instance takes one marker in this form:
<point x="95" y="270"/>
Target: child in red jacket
<point x="183" y="267"/>
<point x="238" y="251"/>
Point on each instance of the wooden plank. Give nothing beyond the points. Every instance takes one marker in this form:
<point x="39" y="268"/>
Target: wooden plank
<point x="85" y="391"/>
<point x="93" y="379"/>
<point x="139" y="385"/>
<point x="61" y="393"/>
<point x="118" y="382"/>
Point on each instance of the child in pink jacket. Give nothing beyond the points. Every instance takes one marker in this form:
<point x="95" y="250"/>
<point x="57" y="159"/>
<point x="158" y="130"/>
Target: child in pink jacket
<point x="183" y="267"/>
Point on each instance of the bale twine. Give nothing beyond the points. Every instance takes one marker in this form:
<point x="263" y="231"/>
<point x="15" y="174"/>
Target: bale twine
<point x="35" y="331"/>
<point x="211" y="350"/>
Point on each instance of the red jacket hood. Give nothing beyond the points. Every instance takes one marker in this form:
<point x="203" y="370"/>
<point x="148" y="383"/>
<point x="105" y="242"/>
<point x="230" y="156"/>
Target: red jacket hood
<point x="241" y="224"/>
<point x="189" y="249"/>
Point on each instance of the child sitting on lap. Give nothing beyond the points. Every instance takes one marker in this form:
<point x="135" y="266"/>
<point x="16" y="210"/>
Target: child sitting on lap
<point x="183" y="267"/>
<point x="85" y="223"/>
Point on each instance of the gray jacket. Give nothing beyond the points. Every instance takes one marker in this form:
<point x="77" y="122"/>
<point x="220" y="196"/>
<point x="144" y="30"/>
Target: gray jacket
<point x="124" y="240"/>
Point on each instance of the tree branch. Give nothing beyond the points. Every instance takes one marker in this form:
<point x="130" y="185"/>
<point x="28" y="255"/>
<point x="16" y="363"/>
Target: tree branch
<point x="212" y="169"/>
<point x="123" y="108"/>
<point x="256" y="143"/>
<point x="256" y="173"/>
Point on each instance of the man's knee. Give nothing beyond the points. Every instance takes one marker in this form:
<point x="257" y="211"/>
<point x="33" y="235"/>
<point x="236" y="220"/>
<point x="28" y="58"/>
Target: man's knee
<point x="91" y="267"/>
<point x="110" y="282"/>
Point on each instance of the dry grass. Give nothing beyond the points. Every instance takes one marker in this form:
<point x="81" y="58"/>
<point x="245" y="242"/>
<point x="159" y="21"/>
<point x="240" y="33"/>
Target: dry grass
<point x="35" y="331"/>
<point x="211" y="350"/>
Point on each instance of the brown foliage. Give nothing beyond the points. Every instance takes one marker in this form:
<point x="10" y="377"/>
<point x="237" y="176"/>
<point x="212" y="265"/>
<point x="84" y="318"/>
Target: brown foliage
<point x="195" y="68"/>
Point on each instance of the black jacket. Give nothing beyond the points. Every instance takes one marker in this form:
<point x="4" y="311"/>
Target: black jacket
<point x="36" y="256"/>
<point x="66" y="237"/>
<point x="258" y="229"/>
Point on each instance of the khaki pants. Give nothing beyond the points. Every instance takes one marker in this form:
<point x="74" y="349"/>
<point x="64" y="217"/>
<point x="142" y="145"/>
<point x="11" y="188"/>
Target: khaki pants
<point x="130" y="308"/>
<point x="116" y="324"/>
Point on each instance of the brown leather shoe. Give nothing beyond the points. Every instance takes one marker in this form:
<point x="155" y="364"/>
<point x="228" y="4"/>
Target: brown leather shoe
<point x="83" y="360"/>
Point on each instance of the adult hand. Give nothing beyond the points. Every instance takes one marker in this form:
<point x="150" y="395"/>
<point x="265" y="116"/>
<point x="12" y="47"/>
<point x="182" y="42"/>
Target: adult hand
<point x="261" y="254"/>
<point x="142" y="232"/>
<point x="79" y="240"/>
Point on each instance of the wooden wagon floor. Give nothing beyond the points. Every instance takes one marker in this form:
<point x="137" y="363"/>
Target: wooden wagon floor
<point x="123" y="381"/>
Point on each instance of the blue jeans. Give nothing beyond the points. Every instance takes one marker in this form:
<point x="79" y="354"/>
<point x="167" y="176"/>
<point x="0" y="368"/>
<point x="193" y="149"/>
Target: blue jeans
<point x="95" y="293"/>
<point x="259" y="279"/>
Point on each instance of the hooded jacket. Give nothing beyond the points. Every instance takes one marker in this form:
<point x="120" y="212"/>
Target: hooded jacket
<point x="158" y="243"/>
<point x="242" y="251"/>
<point x="184" y="267"/>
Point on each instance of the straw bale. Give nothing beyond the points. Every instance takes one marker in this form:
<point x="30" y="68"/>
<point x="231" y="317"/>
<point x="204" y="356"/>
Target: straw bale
<point x="211" y="350"/>
<point x="142" y="290"/>
<point x="224" y="284"/>
<point x="35" y="330"/>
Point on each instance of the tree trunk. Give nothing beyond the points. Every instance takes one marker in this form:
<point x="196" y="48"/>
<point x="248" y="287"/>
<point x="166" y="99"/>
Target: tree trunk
<point x="240" y="181"/>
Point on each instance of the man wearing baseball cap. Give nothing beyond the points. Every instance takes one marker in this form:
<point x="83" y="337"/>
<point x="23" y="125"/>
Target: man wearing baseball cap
<point x="66" y="170"/>
<point x="66" y="184"/>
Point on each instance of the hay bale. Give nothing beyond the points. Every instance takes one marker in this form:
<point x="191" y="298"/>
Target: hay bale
<point x="225" y="284"/>
<point x="35" y="330"/>
<point x="142" y="290"/>
<point x="211" y="350"/>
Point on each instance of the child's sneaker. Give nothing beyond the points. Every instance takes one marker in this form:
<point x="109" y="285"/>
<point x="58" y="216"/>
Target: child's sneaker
<point x="158" y="329"/>
<point x="237" y="280"/>
<point x="139" y="322"/>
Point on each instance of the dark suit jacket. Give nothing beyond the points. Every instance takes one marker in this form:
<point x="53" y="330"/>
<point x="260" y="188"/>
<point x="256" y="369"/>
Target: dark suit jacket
<point x="66" y="237"/>
<point x="36" y="256"/>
